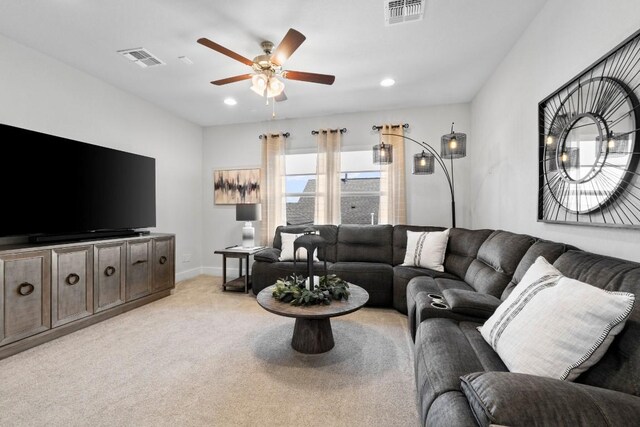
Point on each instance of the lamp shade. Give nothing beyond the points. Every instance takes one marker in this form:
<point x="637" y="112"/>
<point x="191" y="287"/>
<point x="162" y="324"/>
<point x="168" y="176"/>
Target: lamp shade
<point x="423" y="164"/>
<point x="453" y="145"/>
<point x="382" y="154"/>
<point x="248" y="212"/>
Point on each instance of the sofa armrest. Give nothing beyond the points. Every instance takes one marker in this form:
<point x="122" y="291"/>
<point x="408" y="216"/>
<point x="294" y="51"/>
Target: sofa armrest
<point x="507" y="398"/>
<point x="471" y="303"/>
<point x="268" y="255"/>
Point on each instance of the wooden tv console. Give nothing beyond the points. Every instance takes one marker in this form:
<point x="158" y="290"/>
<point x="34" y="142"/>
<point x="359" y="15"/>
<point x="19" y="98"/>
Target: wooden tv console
<point x="50" y="290"/>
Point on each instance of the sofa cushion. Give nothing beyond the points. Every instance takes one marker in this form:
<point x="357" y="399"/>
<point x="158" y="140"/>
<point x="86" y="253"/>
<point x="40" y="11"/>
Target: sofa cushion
<point x="510" y="399"/>
<point x="375" y="278"/>
<point x="400" y="239"/>
<point x="426" y="249"/>
<point x="328" y="232"/>
<point x="619" y="369"/>
<point x="445" y="350"/>
<point x="549" y="250"/>
<point x="462" y="249"/>
<point x="365" y="243"/>
<point x="497" y="260"/>
<point x="554" y="326"/>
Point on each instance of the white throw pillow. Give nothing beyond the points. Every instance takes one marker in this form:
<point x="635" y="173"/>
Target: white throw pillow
<point x="426" y="249"/>
<point x="286" y="253"/>
<point x="554" y="326"/>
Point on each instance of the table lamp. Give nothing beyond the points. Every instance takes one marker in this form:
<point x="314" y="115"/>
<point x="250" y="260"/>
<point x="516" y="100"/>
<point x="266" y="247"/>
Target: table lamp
<point x="248" y="212"/>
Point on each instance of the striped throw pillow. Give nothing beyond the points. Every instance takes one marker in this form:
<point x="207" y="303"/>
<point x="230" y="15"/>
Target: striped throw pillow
<point x="554" y="326"/>
<point x="426" y="249"/>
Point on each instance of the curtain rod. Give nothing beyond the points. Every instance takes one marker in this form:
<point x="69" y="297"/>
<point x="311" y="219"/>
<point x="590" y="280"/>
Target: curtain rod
<point x="405" y="126"/>
<point x="275" y="135"/>
<point x="315" y="132"/>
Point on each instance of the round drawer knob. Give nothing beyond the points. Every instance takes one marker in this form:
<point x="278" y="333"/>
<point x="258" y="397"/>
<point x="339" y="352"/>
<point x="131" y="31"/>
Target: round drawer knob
<point x="109" y="271"/>
<point x="163" y="259"/>
<point x="25" y="289"/>
<point x="72" y="279"/>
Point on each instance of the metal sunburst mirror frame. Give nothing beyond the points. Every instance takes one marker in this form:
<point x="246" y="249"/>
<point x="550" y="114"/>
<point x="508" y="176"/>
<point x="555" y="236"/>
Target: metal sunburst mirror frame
<point x="588" y="144"/>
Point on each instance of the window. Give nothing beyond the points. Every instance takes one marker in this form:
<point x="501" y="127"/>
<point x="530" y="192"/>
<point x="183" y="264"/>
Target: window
<point x="300" y="188"/>
<point x="359" y="186"/>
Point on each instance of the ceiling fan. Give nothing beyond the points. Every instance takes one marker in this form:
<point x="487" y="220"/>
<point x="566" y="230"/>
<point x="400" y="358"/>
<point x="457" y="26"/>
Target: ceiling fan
<point x="268" y="66"/>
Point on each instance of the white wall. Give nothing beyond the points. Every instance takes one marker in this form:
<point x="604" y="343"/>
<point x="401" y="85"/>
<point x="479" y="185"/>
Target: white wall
<point x="238" y="146"/>
<point x="566" y="37"/>
<point x="43" y="94"/>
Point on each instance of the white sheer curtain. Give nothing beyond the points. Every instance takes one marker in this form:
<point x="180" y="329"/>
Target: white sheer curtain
<point x="393" y="204"/>
<point x="273" y="180"/>
<point x="327" y="210"/>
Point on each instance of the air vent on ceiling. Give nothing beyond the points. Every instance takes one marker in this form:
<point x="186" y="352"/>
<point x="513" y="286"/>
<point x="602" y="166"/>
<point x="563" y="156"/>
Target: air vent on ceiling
<point x="399" y="11"/>
<point x="141" y="57"/>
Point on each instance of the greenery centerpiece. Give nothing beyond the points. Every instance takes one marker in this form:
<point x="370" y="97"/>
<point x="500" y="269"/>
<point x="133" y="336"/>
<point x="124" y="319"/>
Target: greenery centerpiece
<point x="292" y="290"/>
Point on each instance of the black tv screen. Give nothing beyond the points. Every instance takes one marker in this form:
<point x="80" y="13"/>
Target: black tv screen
<point x="54" y="185"/>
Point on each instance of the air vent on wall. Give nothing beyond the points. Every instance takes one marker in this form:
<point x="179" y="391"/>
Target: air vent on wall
<point x="141" y="57"/>
<point x="399" y="11"/>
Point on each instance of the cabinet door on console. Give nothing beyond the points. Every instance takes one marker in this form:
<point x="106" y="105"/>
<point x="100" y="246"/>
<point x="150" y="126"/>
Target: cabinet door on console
<point x="138" y="282"/>
<point x="163" y="263"/>
<point x="25" y="292"/>
<point x="72" y="286"/>
<point x="108" y="276"/>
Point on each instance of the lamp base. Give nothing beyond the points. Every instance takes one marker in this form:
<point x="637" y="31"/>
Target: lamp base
<point x="248" y="233"/>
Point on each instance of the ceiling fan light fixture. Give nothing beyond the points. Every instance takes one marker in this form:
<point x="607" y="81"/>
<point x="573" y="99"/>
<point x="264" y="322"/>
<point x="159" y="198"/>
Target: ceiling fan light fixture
<point x="259" y="82"/>
<point x="275" y="87"/>
<point x="271" y="85"/>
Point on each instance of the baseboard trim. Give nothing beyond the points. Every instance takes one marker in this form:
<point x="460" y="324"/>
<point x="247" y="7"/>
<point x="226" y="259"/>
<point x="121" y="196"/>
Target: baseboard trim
<point x="188" y="274"/>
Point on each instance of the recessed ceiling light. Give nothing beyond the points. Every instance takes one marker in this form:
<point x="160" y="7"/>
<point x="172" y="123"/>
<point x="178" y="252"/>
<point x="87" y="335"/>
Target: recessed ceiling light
<point x="230" y="101"/>
<point x="387" y="82"/>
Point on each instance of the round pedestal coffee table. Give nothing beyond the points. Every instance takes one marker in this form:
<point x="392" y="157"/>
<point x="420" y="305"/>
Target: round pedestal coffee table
<point x="312" y="331"/>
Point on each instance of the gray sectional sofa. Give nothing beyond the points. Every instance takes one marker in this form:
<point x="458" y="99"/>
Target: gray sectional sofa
<point x="460" y="380"/>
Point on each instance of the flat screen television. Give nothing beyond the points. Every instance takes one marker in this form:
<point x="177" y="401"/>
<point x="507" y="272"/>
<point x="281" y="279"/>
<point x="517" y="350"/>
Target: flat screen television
<point x="57" y="186"/>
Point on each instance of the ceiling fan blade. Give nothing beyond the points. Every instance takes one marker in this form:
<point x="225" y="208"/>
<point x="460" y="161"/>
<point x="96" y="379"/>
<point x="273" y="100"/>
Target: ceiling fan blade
<point x="281" y="97"/>
<point x="324" y="79"/>
<point x="223" y="50"/>
<point x="231" y="79"/>
<point x="291" y="41"/>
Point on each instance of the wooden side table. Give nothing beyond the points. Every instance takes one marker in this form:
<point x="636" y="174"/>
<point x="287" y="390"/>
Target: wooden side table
<point x="242" y="281"/>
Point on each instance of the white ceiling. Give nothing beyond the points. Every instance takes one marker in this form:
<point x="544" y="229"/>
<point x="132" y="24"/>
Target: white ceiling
<point x="442" y="59"/>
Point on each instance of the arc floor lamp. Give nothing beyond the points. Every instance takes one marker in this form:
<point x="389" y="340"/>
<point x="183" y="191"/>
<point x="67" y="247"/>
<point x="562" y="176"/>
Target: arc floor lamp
<point x="452" y="146"/>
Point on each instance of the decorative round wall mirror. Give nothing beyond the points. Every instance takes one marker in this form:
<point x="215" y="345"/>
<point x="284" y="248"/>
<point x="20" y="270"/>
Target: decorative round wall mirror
<point x="588" y="144"/>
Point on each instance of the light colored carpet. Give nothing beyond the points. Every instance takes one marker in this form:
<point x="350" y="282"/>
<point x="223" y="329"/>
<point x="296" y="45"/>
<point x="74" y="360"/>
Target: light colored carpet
<point x="204" y="357"/>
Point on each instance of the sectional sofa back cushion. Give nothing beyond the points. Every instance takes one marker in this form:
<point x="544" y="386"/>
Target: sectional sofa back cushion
<point x="462" y="249"/>
<point x="400" y="239"/>
<point x="619" y="369"/>
<point x="365" y="243"/>
<point x="497" y="260"/>
<point x="549" y="250"/>
<point x="328" y="232"/>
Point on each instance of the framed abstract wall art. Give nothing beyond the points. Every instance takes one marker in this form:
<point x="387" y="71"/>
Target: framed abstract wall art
<point x="236" y="186"/>
<point x="588" y="144"/>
